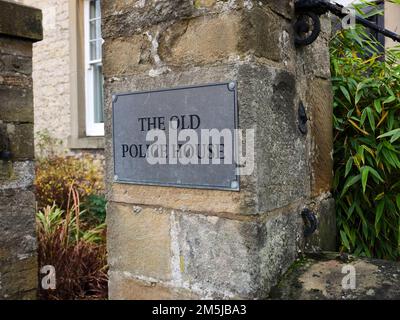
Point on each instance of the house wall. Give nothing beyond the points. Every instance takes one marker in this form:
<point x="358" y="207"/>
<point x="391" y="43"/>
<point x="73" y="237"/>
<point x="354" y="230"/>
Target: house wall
<point x="58" y="76"/>
<point x="51" y="72"/>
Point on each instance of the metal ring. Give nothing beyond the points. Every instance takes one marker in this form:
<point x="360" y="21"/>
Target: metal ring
<point x="302" y="27"/>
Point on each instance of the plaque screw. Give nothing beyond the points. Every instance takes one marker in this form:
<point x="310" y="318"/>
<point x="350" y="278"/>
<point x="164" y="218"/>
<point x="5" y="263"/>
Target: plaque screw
<point x="115" y="178"/>
<point x="235" y="185"/>
<point x="232" y="86"/>
<point x="114" y="98"/>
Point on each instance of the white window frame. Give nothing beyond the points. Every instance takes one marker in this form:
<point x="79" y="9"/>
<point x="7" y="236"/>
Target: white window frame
<point x="92" y="129"/>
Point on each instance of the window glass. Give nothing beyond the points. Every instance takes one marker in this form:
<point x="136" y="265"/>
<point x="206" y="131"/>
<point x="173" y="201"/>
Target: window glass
<point x="94" y="75"/>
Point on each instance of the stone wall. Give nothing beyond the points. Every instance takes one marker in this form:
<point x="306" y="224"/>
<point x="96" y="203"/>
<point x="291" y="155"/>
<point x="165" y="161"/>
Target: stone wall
<point x="314" y="89"/>
<point x="20" y="26"/>
<point x="51" y="71"/>
<point x="184" y="243"/>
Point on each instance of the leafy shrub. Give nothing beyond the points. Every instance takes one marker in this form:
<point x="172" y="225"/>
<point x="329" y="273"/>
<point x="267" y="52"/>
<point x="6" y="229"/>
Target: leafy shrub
<point x="54" y="176"/>
<point x="95" y="208"/>
<point x="367" y="144"/>
<point x="78" y="255"/>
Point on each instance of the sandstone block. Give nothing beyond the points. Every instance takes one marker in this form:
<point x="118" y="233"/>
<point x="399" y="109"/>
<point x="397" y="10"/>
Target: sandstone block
<point x="139" y="241"/>
<point x="122" y="287"/>
<point x="319" y="96"/>
<point x="16" y="104"/>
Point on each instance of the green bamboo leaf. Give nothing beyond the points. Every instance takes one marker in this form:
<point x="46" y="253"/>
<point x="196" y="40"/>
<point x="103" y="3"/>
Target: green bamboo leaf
<point x="378" y="215"/>
<point x="375" y="174"/>
<point x="398" y="201"/>
<point x="371" y="118"/>
<point x="377" y="105"/>
<point x="364" y="177"/>
<point x="349" y="182"/>
<point x="389" y="134"/>
<point x="349" y="165"/>
<point x="363" y="117"/>
<point x="345" y="241"/>
<point x="358" y="97"/>
<point x="346" y="93"/>
<point x="389" y="99"/>
<point x="395" y="137"/>
<point x="379" y="196"/>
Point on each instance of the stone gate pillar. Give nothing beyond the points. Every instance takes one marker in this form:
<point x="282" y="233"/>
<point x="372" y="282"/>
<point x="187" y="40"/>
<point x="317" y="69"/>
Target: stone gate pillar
<point x="172" y="243"/>
<point x="20" y="26"/>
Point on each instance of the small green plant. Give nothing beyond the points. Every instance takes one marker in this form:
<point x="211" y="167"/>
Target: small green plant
<point x="366" y="86"/>
<point x="95" y="208"/>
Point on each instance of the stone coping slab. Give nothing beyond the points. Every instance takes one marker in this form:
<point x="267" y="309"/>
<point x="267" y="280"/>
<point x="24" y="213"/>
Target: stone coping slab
<point x="321" y="277"/>
<point x="20" y="21"/>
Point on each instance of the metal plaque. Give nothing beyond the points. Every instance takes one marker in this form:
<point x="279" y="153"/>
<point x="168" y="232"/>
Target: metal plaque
<point x="197" y="108"/>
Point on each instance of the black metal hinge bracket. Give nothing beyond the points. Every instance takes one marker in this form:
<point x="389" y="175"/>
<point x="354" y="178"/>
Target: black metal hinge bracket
<point x="307" y="26"/>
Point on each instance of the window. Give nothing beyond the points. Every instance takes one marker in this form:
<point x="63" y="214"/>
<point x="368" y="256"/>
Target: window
<point x="93" y="69"/>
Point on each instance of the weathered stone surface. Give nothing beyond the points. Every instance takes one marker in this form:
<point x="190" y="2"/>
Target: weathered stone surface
<point x="196" y="42"/>
<point x="267" y="103"/>
<point x="189" y="42"/>
<point x="16" y="281"/>
<point x="319" y="277"/>
<point x="319" y="96"/>
<point x="285" y="8"/>
<point x="265" y="34"/>
<point x="213" y="201"/>
<point x="20" y="21"/>
<point x="22" y="48"/>
<point x="124" y="18"/>
<point x="20" y="26"/>
<point x="324" y="238"/>
<point x="251" y="254"/>
<point x="124" y="287"/>
<point x="16" y="104"/>
<point x="134" y="55"/>
<point x="21" y="141"/>
<point x="11" y="63"/>
<point x="139" y="240"/>
<point x="15" y="80"/>
<point x="21" y="175"/>
<point x="314" y="59"/>
<point x="18" y="262"/>
<point x="188" y="251"/>
<point x="17" y="220"/>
